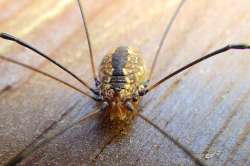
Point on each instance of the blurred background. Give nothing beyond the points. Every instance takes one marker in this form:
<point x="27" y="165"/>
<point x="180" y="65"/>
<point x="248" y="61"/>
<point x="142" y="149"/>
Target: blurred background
<point x="206" y="108"/>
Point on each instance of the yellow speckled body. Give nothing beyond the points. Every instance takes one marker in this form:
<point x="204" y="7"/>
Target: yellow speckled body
<point x="122" y="76"/>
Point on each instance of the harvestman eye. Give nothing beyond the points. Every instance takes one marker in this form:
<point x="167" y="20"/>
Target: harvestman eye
<point x="118" y="87"/>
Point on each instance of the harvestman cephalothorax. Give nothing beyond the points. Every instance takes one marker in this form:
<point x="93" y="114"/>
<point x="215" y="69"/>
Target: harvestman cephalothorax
<point x="120" y="85"/>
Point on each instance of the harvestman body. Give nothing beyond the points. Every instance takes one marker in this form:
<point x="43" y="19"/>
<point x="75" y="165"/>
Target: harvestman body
<point x="121" y="84"/>
<point x="122" y="76"/>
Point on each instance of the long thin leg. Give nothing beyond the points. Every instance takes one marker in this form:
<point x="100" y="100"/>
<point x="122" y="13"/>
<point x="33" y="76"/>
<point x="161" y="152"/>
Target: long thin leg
<point x="221" y="50"/>
<point x="176" y="142"/>
<point x="171" y="138"/>
<point x="164" y="38"/>
<point x="22" y="43"/>
<point x="20" y="157"/>
<point x="47" y="75"/>
<point x="40" y="136"/>
<point x="89" y="43"/>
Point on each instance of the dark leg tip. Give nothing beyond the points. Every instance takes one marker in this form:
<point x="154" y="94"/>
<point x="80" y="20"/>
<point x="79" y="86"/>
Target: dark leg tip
<point x="239" y="46"/>
<point x="6" y="36"/>
<point x="3" y="35"/>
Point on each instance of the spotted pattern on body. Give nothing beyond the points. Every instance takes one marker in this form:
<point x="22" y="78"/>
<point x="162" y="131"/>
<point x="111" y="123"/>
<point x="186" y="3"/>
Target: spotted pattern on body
<point x="122" y="76"/>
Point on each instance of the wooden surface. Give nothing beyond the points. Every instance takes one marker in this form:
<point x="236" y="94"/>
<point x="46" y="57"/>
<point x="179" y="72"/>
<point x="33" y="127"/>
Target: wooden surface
<point x="207" y="108"/>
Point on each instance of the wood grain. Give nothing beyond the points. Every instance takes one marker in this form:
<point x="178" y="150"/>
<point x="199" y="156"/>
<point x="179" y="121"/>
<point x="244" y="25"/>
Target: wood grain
<point x="207" y="108"/>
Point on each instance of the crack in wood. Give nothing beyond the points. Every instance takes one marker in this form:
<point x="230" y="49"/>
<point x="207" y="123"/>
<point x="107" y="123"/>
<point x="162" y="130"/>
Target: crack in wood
<point x="104" y="147"/>
<point x="241" y="139"/>
<point x="5" y="89"/>
<point x="148" y="140"/>
<point x="175" y="141"/>
<point x="172" y="87"/>
<point x="226" y="124"/>
<point x="25" y="152"/>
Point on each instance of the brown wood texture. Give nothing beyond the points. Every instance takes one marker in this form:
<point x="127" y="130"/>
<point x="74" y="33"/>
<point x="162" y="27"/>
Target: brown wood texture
<point x="207" y="108"/>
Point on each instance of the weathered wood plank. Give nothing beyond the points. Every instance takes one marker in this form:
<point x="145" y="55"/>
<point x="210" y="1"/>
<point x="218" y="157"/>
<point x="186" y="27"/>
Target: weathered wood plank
<point x="206" y="108"/>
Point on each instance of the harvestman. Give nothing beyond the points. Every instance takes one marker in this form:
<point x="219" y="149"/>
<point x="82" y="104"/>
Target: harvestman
<point x="120" y="86"/>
